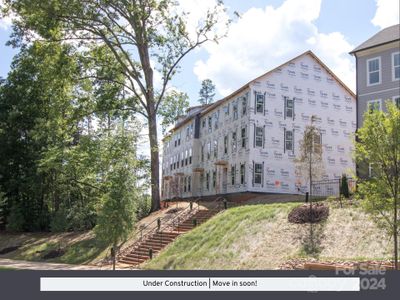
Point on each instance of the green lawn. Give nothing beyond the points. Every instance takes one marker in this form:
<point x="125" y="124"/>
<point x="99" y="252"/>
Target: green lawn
<point x="80" y="248"/>
<point x="260" y="237"/>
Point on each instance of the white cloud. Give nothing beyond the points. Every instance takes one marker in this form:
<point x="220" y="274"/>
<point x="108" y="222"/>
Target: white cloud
<point x="264" y="38"/>
<point x="387" y="13"/>
<point x="5" y="21"/>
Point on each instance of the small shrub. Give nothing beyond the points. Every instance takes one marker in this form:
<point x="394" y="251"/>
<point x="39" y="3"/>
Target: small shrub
<point x="344" y="188"/>
<point x="304" y="214"/>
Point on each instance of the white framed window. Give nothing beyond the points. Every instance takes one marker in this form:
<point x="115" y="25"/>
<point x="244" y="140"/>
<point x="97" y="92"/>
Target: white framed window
<point x="244" y="106"/>
<point x="243" y="136"/>
<point x="374" y="71"/>
<point x="259" y="136"/>
<point x="374" y="105"/>
<point x="260" y="99"/>
<point x="235" y="110"/>
<point x="242" y="173"/>
<point x="396" y="101"/>
<point x="289" y="108"/>
<point x="370" y="170"/>
<point x="233" y="173"/>
<point x="258" y="170"/>
<point x="234" y="141"/>
<point x="396" y="66"/>
<point x="288" y="140"/>
<point x="208" y="150"/>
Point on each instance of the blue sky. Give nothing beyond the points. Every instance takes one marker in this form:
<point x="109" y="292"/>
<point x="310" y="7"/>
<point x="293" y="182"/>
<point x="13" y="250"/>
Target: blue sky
<point x="271" y="32"/>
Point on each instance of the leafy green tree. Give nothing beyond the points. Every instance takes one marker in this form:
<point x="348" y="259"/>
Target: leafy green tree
<point x="379" y="145"/>
<point x="144" y="37"/>
<point x="207" y="92"/>
<point x="117" y="214"/>
<point x="175" y="105"/>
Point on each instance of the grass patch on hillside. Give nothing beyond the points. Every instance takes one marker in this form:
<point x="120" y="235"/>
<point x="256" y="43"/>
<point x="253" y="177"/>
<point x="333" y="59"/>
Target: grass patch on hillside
<point x="80" y="248"/>
<point x="260" y="237"/>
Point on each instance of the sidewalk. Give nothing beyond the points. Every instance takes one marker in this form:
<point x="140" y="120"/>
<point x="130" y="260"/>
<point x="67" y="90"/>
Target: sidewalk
<point x="34" y="265"/>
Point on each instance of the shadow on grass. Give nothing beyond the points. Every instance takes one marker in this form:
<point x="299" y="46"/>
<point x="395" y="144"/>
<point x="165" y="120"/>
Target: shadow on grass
<point x="311" y="239"/>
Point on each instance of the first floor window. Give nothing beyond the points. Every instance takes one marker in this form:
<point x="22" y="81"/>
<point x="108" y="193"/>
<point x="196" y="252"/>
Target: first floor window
<point x="190" y="156"/>
<point x="208" y="150"/>
<point x="202" y="153"/>
<point x="186" y="158"/>
<point x="189" y="187"/>
<point x="215" y="149"/>
<point x="208" y="181"/>
<point x="214" y="178"/>
<point x="185" y="184"/>
<point x="259" y="136"/>
<point x="258" y="170"/>
<point x="233" y="171"/>
<point x="374" y="105"/>
<point x="288" y="140"/>
<point x="397" y="101"/>
<point x="226" y="144"/>
<point x="370" y="170"/>
<point x="242" y="173"/>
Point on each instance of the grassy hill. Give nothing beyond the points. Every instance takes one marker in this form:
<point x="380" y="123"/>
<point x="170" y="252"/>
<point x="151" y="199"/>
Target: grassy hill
<point x="260" y="237"/>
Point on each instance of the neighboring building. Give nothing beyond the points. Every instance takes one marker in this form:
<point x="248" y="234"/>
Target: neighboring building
<point x="247" y="142"/>
<point x="378" y="71"/>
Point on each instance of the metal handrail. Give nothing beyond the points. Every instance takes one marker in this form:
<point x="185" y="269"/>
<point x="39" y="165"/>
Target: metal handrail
<point x="143" y="235"/>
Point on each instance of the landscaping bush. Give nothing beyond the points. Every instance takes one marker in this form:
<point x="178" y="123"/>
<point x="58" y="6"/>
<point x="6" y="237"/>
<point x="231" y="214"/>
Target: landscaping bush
<point x="304" y="214"/>
<point x="344" y="188"/>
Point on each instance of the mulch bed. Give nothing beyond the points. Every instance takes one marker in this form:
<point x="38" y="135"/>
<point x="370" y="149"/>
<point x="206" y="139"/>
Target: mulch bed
<point x="53" y="254"/>
<point x="9" y="249"/>
<point x="303" y="214"/>
<point x="313" y="264"/>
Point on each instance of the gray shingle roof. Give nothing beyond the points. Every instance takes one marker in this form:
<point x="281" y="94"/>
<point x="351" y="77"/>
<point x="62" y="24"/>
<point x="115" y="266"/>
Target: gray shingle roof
<point x="384" y="36"/>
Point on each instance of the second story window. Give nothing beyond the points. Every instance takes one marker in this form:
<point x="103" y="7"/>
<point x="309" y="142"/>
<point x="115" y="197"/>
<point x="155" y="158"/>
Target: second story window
<point x="288" y="140"/>
<point x="235" y="110"/>
<point x="209" y="124"/>
<point x="234" y="140"/>
<point x="215" y="149"/>
<point x="396" y="65"/>
<point x="190" y="156"/>
<point x="243" y="136"/>
<point x="216" y="117"/>
<point x="226" y="110"/>
<point x="208" y="150"/>
<point x="186" y="158"/>
<point x="208" y="181"/>
<point x="259" y="136"/>
<point x="187" y="133"/>
<point x="374" y="105"/>
<point x="260" y="99"/>
<point x="226" y="144"/>
<point x="244" y="106"/>
<point x="289" y="108"/>
<point x="202" y="153"/>
<point x="374" y="71"/>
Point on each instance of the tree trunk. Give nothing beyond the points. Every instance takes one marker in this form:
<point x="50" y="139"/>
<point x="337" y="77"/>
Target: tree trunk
<point x="395" y="237"/>
<point x="154" y="162"/>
